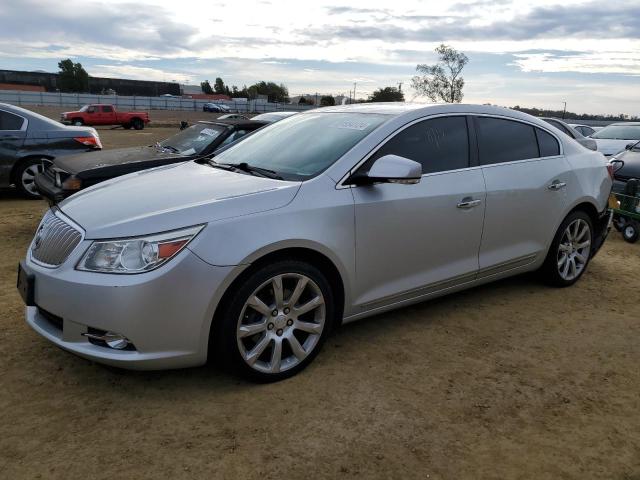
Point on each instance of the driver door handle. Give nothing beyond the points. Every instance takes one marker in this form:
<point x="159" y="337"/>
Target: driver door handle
<point x="468" y="203"/>
<point x="556" y="185"/>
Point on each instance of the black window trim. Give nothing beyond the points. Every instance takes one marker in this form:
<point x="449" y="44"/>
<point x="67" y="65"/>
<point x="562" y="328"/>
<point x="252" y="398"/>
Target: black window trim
<point x="474" y="155"/>
<point x="534" y="125"/>
<point x="25" y="121"/>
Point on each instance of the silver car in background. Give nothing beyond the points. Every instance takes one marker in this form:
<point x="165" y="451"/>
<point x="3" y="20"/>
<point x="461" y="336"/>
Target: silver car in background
<point x="324" y="217"/>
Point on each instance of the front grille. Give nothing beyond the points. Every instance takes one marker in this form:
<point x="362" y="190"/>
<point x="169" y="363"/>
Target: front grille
<point x="54" y="240"/>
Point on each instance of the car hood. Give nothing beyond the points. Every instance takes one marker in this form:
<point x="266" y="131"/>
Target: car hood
<point x="75" y="164"/>
<point x="172" y="197"/>
<point x="611" y="147"/>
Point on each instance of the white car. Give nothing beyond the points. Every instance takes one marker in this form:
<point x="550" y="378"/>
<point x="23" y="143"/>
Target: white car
<point x="325" y="217"/>
<point x="584" y="130"/>
<point x="614" y="138"/>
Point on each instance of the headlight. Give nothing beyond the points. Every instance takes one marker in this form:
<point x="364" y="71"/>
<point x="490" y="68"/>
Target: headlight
<point x="136" y="255"/>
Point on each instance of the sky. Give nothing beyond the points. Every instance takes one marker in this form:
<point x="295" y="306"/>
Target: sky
<point x="534" y="53"/>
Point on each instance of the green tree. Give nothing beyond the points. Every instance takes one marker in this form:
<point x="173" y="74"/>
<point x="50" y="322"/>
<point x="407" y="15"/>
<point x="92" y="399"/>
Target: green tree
<point x="387" y="94"/>
<point x="219" y="86"/>
<point x="72" y="77"/>
<point x="327" y="101"/>
<point x="206" y="87"/>
<point x="442" y="81"/>
<point x="273" y="91"/>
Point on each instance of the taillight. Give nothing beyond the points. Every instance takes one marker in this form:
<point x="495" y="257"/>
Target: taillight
<point x="610" y="170"/>
<point x="90" y="141"/>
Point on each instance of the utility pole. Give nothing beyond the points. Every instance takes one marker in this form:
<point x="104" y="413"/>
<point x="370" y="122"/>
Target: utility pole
<point x="565" y="110"/>
<point x="354" y="92"/>
<point x="400" y="86"/>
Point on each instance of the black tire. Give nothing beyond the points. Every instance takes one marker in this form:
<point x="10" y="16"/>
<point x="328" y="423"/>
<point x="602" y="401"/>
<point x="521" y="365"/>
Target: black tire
<point x="126" y="126"/>
<point x="619" y="222"/>
<point x="550" y="270"/>
<point x="24" y="183"/>
<point x="137" y="124"/>
<point x="224" y="342"/>
<point x="631" y="232"/>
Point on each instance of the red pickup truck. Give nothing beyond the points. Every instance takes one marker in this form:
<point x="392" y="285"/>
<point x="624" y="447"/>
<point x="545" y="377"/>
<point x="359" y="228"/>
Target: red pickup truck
<point x="101" y="114"/>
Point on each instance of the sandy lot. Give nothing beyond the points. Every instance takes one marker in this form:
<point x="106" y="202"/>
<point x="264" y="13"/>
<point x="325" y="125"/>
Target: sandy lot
<point x="510" y="380"/>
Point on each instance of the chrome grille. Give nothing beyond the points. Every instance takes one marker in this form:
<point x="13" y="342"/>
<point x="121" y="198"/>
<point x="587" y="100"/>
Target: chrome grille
<point x="54" y="241"/>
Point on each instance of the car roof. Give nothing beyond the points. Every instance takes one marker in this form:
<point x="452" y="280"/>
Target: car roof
<point x="626" y="124"/>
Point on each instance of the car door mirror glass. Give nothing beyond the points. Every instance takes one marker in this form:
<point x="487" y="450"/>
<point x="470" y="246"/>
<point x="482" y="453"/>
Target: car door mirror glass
<point x="390" y="169"/>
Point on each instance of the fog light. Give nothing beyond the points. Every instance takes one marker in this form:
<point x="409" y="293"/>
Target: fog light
<point x="115" y="340"/>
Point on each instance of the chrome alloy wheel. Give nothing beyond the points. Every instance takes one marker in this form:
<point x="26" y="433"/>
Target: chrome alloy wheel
<point x="574" y="249"/>
<point x="281" y="323"/>
<point x="29" y="176"/>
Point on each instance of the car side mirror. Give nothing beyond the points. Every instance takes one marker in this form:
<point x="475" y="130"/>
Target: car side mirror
<point x="390" y="169"/>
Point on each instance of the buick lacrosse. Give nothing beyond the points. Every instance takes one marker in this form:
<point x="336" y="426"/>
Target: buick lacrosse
<point x="325" y="217"/>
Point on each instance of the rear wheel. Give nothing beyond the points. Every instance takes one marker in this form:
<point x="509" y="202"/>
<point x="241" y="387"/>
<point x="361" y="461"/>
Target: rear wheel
<point x="26" y="175"/>
<point x="137" y="124"/>
<point x="570" y="251"/>
<point x="277" y="321"/>
<point x="631" y="232"/>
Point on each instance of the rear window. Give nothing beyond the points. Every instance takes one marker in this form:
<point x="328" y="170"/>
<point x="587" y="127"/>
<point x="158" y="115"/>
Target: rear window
<point x="9" y="121"/>
<point x="107" y="109"/>
<point x="502" y="140"/>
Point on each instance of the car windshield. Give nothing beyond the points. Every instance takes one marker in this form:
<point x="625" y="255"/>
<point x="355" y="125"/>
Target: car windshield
<point x="301" y="146"/>
<point x="84" y="108"/>
<point x="618" y="132"/>
<point x="193" y="140"/>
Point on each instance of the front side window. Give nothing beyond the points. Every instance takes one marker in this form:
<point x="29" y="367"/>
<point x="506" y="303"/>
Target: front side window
<point x="9" y="121"/>
<point x="501" y="140"/>
<point x="439" y="144"/>
<point x="302" y="146"/>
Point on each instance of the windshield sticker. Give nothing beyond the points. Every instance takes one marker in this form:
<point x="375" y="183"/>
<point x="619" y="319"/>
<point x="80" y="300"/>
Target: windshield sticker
<point x="208" y="131"/>
<point x="352" y="125"/>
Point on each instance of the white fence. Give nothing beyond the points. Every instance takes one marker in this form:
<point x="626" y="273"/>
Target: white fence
<point x="138" y="103"/>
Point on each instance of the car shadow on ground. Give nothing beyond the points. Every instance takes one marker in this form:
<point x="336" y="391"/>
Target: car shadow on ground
<point x="216" y="379"/>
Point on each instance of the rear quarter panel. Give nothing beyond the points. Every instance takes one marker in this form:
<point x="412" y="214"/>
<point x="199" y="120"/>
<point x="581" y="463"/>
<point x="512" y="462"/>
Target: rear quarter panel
<point x="590" y="180"/>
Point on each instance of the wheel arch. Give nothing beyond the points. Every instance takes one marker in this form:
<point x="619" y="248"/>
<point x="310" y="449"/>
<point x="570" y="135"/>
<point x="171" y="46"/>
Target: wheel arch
<point x="18" y="164"/>
<point x="304" y="253"/>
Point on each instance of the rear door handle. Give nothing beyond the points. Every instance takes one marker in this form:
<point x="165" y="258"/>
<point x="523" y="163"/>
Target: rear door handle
<point x="557" y="185"/>
<point x="468" y="203"/>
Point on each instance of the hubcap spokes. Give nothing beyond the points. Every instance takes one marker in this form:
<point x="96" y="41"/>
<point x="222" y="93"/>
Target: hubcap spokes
<point x="281" y="323"/>
<point x="29" y="176"/>
<point x="574" y="249"/>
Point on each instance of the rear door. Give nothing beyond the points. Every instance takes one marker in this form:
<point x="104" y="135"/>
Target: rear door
<point x="107" y="115"/>
<point x="525" y="176"/>
<point x="13" y="130"/>
<point x="413" y="240"/>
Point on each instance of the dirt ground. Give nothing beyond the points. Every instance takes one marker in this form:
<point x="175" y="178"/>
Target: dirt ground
<point x="509" y="380"/>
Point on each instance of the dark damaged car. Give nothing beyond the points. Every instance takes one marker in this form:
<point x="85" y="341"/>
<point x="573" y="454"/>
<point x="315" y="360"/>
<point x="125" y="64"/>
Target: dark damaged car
<point x="67" y="175"/>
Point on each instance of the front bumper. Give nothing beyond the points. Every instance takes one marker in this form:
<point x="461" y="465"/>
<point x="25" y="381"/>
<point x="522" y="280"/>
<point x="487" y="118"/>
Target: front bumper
<point x="165" y="313"/>
<point x="48" y="189"/>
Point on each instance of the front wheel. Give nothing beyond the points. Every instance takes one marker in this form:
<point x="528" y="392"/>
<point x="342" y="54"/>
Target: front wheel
<point x="78" y="122"/>
<point x="277" y="321"/>
<point x="619" y="222"/>
<point x="631" y="232"/>
<point x="570" y="251"/>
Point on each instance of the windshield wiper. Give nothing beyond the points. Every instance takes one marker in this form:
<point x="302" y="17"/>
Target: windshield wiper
<point x="245" y="167"/>
<point x="170" y="148"/>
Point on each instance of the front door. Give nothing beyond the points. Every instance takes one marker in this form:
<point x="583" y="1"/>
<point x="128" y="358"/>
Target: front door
<point x="413" y="240"/>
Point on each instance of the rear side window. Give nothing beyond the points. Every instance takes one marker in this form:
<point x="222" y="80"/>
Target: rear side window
<point x="107" y="109"/>
<point x="548" y="144"/>
<point x="502" y="140"/>
<point x="9" y="121"/>
<point x="439" y="144"/>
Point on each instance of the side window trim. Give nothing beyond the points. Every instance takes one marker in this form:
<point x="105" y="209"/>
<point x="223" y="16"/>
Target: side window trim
<point x="474" y="152"/>
<point x="25" y="122"/>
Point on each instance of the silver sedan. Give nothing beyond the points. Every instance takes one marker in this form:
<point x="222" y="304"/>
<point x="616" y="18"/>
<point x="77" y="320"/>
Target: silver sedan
<point x="325" y="217"/>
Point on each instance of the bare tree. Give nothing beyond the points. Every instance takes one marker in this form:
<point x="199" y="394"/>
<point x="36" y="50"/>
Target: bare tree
<point x="442" y="81"/>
